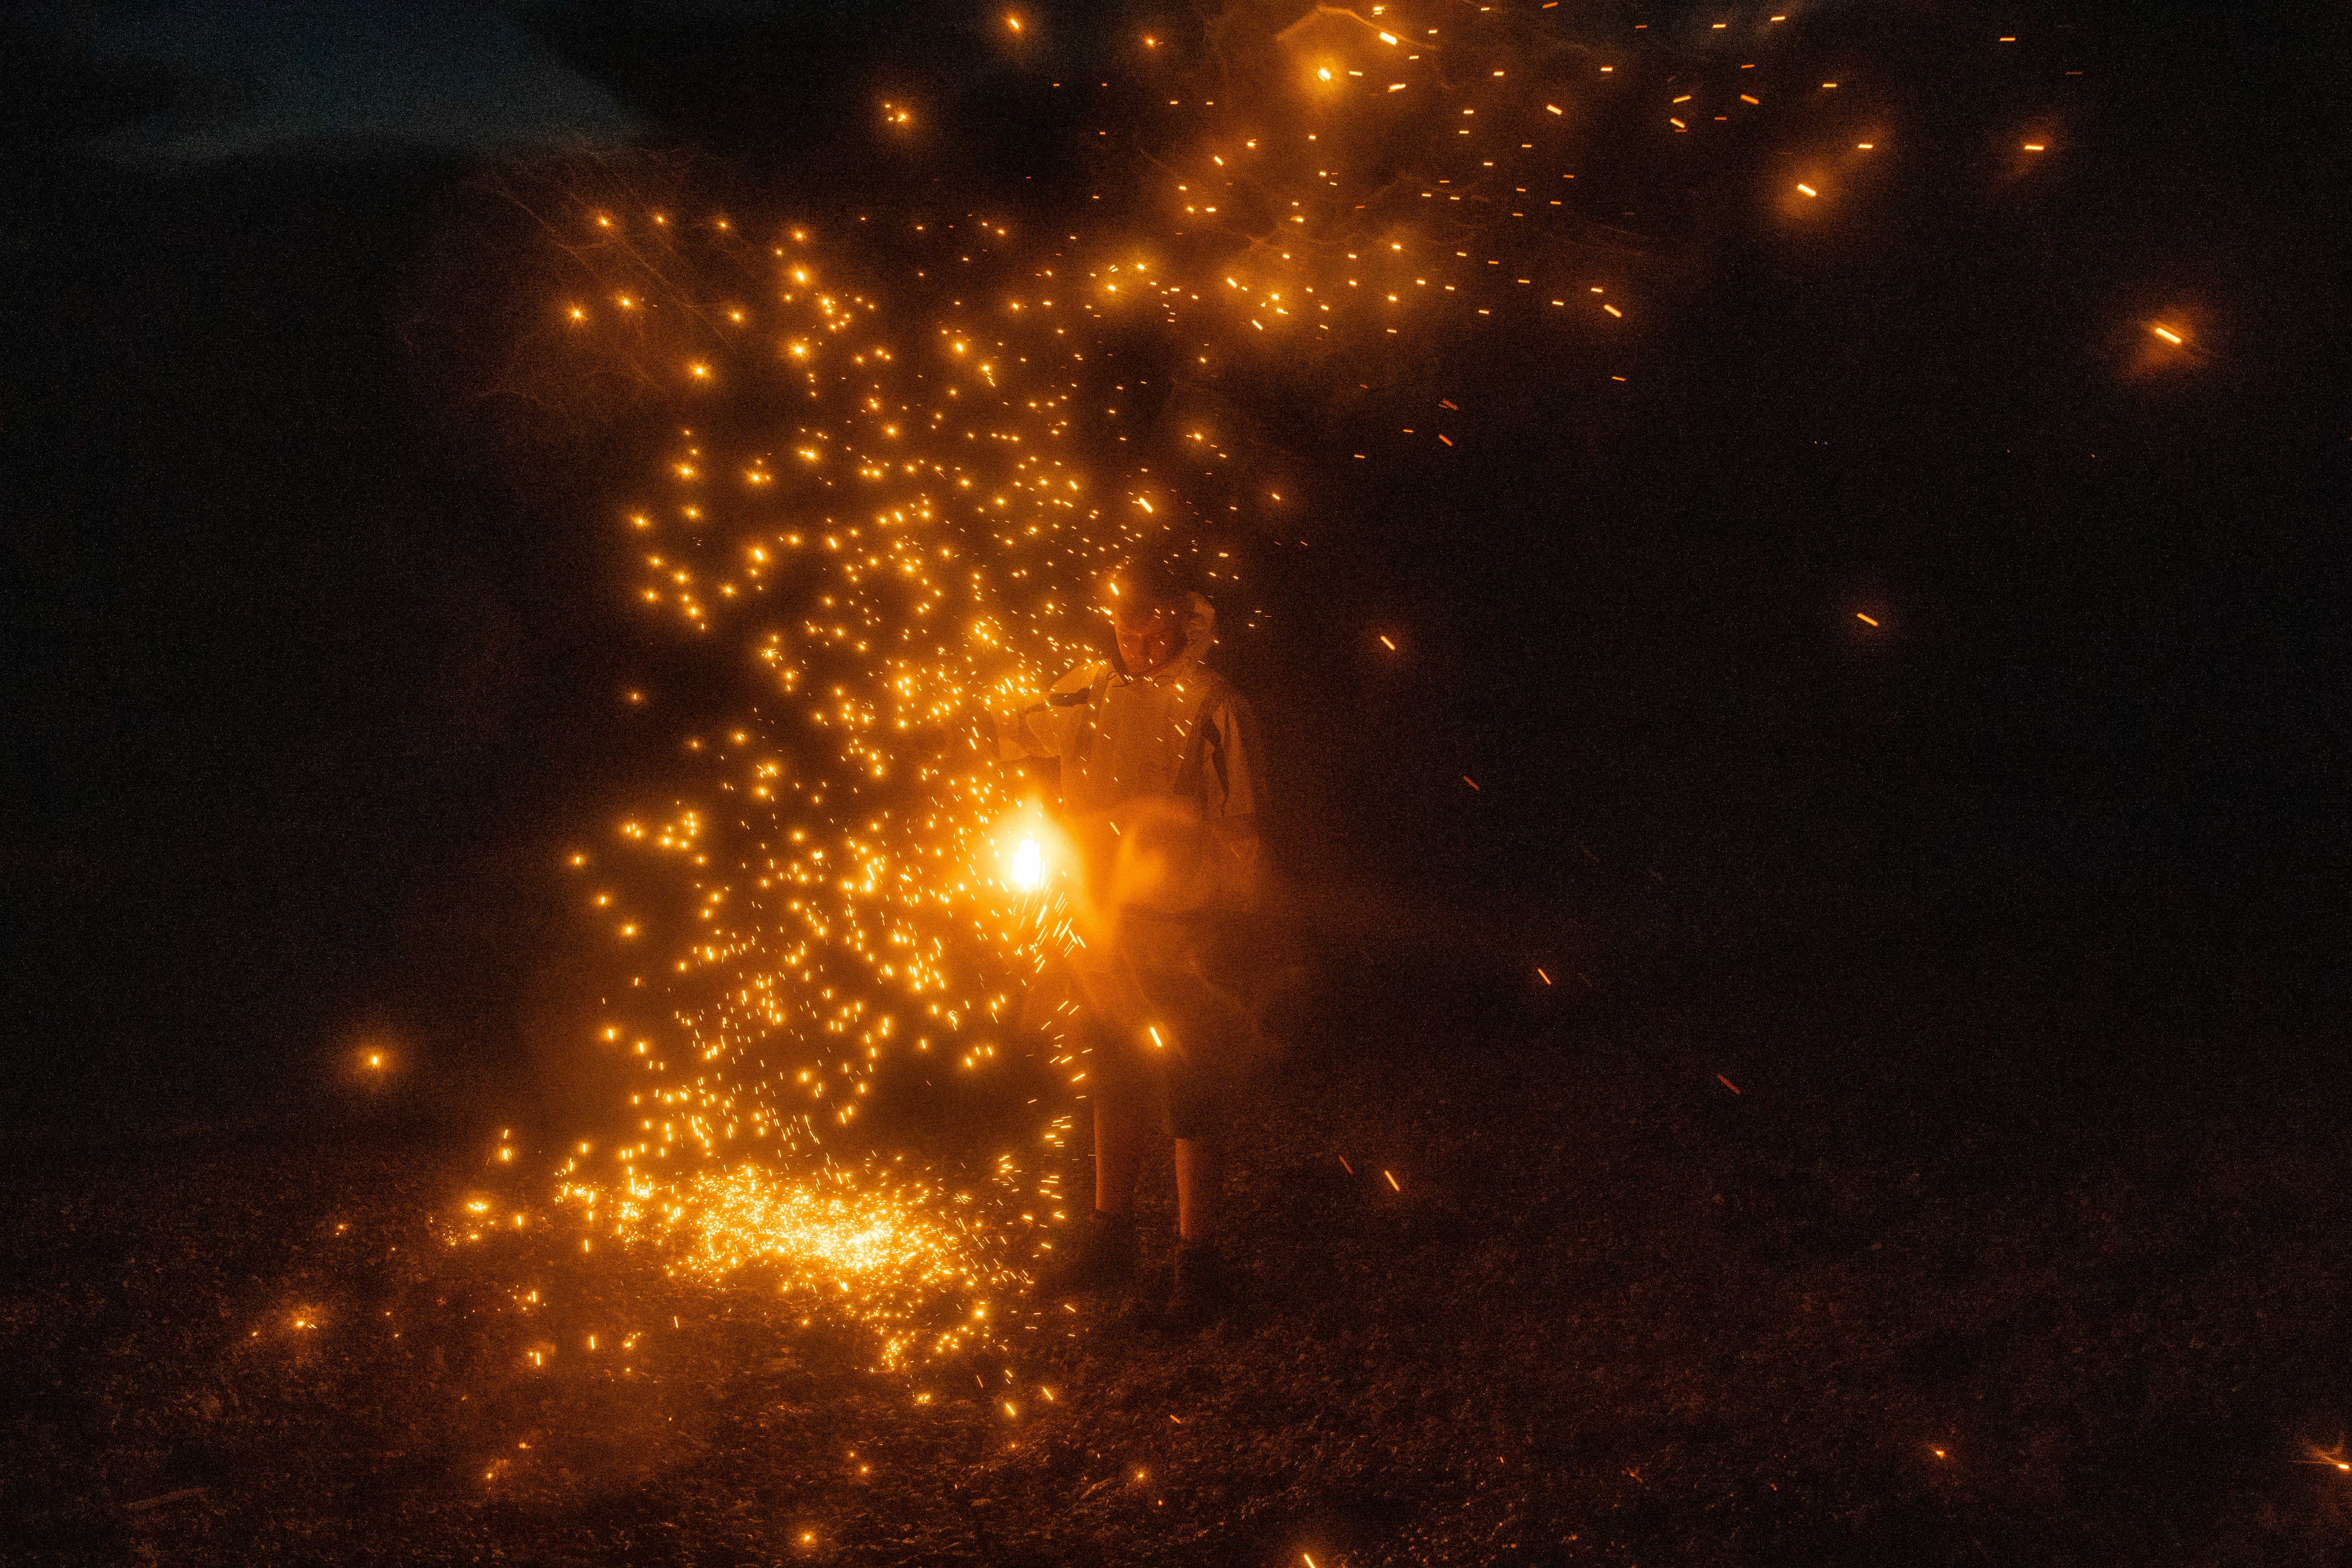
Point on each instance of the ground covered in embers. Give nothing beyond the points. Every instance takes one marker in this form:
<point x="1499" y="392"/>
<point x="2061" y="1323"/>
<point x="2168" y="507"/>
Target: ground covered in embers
<point x="1904" y="1304"/>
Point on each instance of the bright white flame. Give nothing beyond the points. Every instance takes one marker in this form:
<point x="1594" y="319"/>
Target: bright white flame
<point x="1028" y="865"/>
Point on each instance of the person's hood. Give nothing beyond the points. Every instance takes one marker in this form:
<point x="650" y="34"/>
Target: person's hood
<point x="1199" y="630"/>
<point x="1199" y="635"/>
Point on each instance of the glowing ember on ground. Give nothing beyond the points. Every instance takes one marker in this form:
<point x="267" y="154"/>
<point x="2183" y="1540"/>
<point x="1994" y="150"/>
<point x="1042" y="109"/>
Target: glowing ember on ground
<point x="911" y="1264"/>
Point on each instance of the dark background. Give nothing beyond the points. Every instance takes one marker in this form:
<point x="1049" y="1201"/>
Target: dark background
<point x="308" y="685"/>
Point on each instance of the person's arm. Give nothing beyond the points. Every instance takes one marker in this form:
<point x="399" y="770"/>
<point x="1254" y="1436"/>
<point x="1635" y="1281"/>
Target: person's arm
<point x="1046" y="727"/>
<point x="1037" y="739"/>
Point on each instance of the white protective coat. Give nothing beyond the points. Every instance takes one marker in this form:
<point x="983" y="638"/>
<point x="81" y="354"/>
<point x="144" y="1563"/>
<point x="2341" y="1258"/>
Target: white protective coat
<point x="1160" y="779"/>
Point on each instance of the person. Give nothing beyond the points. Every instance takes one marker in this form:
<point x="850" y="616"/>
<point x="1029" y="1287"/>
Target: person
<point x="1160" y="777"/>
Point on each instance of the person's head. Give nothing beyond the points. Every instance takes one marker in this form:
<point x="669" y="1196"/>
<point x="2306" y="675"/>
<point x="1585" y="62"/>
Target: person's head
<point x="1149" y="602"/>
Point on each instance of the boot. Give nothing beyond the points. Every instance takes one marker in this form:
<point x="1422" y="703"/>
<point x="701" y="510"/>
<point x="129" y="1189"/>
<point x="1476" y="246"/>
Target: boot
<point x="1205" y="1286"/>
<point x="1098" y="1256"/>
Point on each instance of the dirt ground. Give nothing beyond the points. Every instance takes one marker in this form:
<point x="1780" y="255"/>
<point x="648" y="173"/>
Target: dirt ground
<point x="1535" y="1285"/>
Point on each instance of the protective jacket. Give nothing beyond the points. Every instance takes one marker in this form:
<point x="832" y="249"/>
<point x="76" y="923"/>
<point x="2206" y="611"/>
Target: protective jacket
<point x="1160" y="777"/>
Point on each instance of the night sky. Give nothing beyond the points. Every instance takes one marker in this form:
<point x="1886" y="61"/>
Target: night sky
<point x="314" y="660"/>
<point x="312" y="673"/>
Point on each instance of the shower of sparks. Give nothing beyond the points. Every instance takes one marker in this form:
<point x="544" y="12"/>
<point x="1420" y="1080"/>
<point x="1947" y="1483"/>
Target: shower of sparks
<point x="899" y="449"/>
<point x="910" y="1263"/>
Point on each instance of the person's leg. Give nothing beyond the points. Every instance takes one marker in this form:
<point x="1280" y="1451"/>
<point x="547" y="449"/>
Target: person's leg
<point x="1199" y="1088"/>
<point x="1203" y="1289"/>
<point x="1118" y="1154"/>
<point x="1099" y="1253"/>
<point x="1200" y="1185"/>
